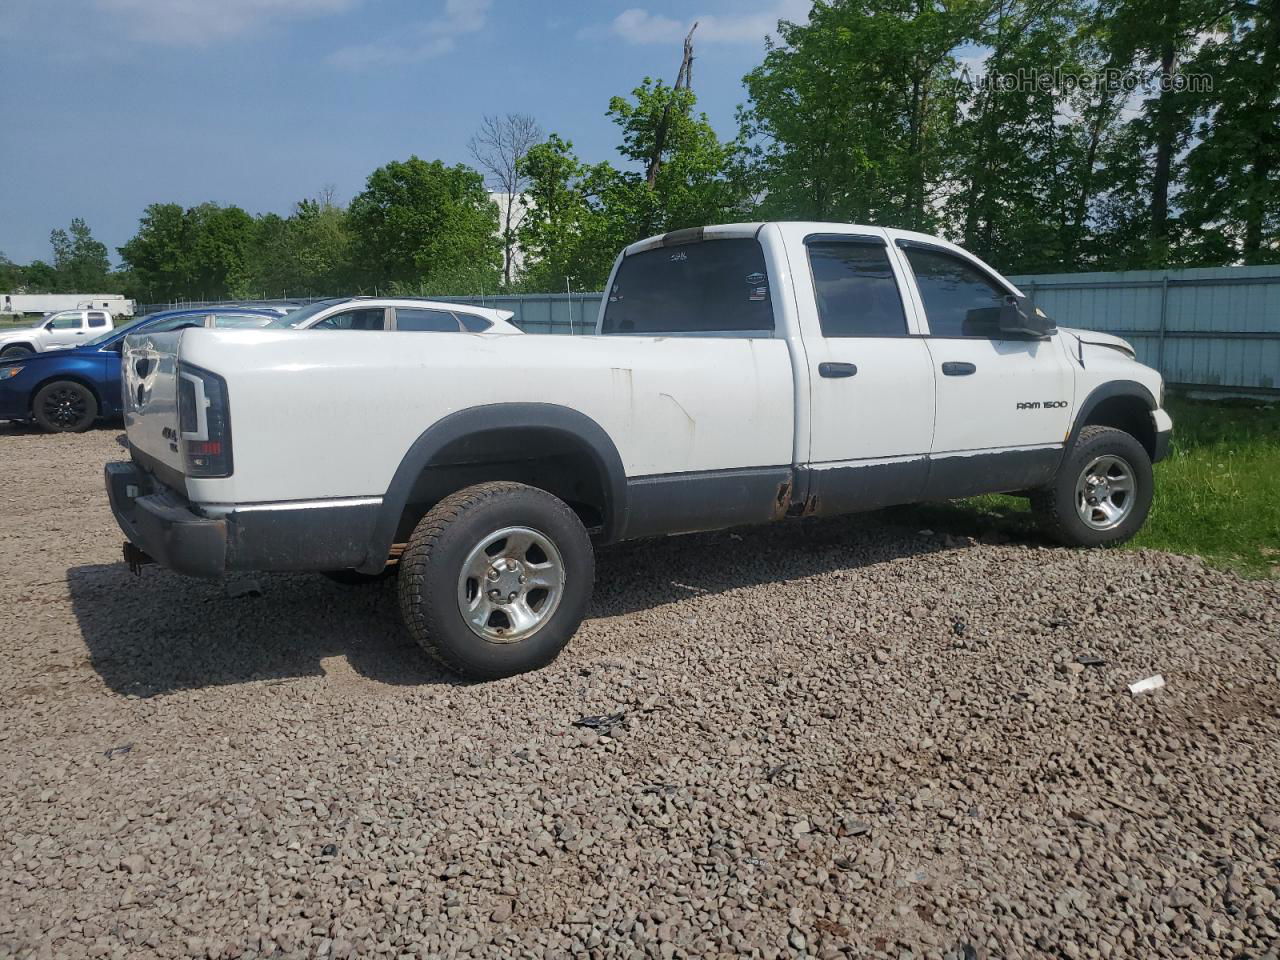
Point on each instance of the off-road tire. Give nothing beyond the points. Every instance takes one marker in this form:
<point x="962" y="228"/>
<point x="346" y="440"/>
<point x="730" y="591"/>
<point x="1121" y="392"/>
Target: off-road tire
<point x="1055" y="503"/>
<point x="86" y="407"/>
<point x="433" y="561"/>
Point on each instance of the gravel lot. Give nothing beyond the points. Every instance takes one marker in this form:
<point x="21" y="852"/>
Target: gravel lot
<point x="838" y="738"/>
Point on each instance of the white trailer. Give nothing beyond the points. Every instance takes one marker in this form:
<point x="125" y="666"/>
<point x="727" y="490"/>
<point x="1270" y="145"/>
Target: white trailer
<point x="42" y="303"/>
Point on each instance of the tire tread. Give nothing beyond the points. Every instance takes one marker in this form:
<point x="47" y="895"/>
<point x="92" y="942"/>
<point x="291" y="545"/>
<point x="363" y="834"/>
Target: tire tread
<point x="1046" y="504"/>
<point x="419" y="552"/>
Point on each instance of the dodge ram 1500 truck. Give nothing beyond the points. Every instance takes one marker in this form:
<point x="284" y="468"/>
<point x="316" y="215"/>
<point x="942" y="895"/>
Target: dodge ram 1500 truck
<point x="738" y="374"/>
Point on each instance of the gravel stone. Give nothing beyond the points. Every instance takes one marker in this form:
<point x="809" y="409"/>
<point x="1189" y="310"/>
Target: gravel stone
<point x="841" y="738"/>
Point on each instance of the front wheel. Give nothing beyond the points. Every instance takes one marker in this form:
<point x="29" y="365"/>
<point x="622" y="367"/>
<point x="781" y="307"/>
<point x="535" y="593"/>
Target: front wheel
<point x="496" y="579"/>
<point x="1102" y="492"/>
<point x="65" y="406"/>
<point x="17" y="352"/>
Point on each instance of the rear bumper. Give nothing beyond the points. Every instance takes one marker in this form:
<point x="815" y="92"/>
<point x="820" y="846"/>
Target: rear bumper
<point x="162" y="525"/>
<point x="300" y="536"/>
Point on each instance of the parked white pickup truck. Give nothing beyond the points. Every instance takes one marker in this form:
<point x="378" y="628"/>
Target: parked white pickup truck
<point x="739" y="374"/>
<point x="57" y="331"/>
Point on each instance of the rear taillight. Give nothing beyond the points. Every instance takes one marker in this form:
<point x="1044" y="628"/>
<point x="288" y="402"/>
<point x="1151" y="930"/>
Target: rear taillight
<point x="204" y="422"/>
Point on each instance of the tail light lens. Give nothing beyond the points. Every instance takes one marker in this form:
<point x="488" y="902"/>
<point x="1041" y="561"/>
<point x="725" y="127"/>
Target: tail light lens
<point x="204" y="422"/>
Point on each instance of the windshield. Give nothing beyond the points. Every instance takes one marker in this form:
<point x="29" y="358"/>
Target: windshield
<point x="104" y="337"/>
<point x="292" y="321"/>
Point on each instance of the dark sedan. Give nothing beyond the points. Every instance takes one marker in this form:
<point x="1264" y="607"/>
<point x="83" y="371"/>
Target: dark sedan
<point x="67" y="391"/>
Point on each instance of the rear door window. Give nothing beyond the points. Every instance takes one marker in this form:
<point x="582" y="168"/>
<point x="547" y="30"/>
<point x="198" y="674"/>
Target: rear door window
<point x="97" y="319"/>
<point x="368" y="318"/>
<point x="707" y="287"/>
<point x="472" y="323"/>
<point x="855" y="288"/>
<point x="426" y="321"/>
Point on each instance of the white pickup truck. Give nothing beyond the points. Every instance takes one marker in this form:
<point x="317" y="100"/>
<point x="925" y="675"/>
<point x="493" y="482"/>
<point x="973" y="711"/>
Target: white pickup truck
<point x="738" y="374"/>
<point x="57" y="331"/>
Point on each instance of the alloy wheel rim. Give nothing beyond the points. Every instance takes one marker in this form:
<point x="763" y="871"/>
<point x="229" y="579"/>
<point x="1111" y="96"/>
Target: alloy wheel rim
<point x="511" y="584"/>
<point x="1105" y="492"/>
<point x="65" y="407"/>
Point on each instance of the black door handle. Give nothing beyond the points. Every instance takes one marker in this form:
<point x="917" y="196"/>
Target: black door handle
<point x="954" y="369"/>
<point x="836" y="370"/>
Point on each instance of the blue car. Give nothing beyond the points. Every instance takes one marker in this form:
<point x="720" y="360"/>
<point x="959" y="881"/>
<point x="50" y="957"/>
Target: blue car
<point x="67" y="391"/>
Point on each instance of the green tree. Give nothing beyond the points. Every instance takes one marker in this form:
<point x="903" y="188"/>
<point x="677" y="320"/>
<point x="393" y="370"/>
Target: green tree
<point x="426" y="227"/>
<point x="159" y="255"/>
<point x="560" y="235"/>
<point x="39" y="277"/>
<point x="1024" y="153"/>
<point x="580" y="215"/>
<point x="219" y="239"/>
<point x="693" y="183"/>
<point x="11" y="275"/>
<point x="199" y="253"/>
<point x="1231" y="199"/>
<point x="1142" y="168"/>
<point x="80" y="261"/>
<point x="849" y="115"/>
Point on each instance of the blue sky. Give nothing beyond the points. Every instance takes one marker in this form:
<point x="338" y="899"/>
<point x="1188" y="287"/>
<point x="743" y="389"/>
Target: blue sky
<point x="110" y="105"/>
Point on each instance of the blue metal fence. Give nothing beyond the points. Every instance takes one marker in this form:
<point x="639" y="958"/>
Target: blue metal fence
<point x="1209" y="327"/>
<point x="1212" y="327"/>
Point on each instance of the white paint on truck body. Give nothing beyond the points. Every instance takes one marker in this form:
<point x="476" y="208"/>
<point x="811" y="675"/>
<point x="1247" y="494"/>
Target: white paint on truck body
<point x="331" y="414"/>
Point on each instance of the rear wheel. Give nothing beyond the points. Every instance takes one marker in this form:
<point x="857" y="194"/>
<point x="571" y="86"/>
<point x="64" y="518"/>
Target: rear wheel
<point x="65" y="406"/>
<point x="496" y="579"/>
<point x="1101" y="494"/>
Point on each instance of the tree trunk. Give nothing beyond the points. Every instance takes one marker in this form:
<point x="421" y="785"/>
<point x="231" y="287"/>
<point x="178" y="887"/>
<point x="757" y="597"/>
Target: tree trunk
<point x="684" y="80"/>
<point x="1264" y="140"/>
<point x="1164" y="132"/>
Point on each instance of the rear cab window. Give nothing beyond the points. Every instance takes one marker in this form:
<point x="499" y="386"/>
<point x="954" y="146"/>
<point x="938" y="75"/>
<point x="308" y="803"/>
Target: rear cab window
<point x="426" y="321"/>
<point x="708" y="287"/>
<point x="97" y="319"/>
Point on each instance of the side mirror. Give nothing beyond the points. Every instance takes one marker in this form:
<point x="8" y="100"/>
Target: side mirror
<point x="1019" y="319"/>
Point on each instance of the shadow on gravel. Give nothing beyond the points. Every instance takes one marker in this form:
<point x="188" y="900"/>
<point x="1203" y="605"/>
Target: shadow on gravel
<point x="634" y="576"/>
<point x="160" y="632"/>
<point x="29" y="428"/>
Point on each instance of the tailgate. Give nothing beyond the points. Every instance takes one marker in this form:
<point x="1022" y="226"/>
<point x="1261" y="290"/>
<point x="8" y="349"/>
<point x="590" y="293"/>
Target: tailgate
<point x="149" y="374"/>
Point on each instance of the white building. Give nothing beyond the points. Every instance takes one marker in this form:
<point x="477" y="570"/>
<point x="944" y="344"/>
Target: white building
<point x="519" y="208"/>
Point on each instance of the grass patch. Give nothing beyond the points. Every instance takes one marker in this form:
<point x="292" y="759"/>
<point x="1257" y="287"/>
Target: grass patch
<point x="1217" y="494"/>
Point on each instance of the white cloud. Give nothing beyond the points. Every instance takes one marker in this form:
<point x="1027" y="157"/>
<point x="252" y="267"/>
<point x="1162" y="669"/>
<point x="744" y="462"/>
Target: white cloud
<point x="420" y="41"/>
<point x="198" y="22"/>
<point x="639" y="26"/>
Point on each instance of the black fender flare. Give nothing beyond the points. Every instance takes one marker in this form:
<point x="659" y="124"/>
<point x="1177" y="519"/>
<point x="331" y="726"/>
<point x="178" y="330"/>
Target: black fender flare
<point x="459" y="425"/>
<point x="1105" y="391"/>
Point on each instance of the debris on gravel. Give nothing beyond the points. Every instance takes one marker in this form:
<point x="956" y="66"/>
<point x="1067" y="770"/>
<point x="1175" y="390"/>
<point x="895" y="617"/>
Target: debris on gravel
<point x="841" y="738"/>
